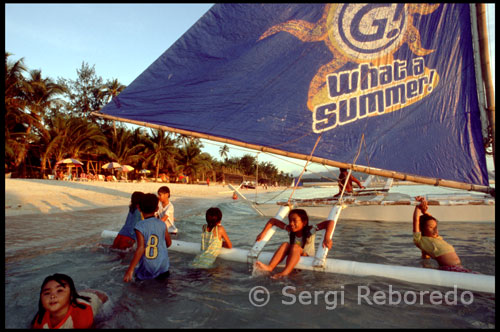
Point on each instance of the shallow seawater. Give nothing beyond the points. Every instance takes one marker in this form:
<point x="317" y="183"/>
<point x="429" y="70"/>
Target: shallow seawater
<point x="39" y="245"/>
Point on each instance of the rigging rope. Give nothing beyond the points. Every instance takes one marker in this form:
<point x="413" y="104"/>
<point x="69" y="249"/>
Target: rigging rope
<point x="341" y="197"/>
<point x="303" y="170"/>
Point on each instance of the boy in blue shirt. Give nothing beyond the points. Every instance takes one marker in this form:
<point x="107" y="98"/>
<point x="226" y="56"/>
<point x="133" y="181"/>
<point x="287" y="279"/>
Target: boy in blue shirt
<point x="152" y="243"/>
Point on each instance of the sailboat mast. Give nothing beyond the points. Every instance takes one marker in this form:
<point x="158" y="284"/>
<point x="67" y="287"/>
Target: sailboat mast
<point x="486" y="71"/>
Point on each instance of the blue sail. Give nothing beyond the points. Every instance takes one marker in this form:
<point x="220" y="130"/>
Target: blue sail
<point x="396" y="81"/>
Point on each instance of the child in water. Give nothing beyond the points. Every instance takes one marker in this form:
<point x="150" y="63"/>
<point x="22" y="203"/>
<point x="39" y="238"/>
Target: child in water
<point x="301" y="241"/>
<point x="166" y="209"/>
<point x="61" y="307"/>
<point x="126" y="236"/>
<point x="152" y="243"/>
<point x="427" y="239"/>
<point x="213" y="238"/>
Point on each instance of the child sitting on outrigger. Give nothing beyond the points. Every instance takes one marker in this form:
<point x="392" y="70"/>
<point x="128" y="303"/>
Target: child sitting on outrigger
<point x="301" y="241"/>
<point x="427" y="239"/>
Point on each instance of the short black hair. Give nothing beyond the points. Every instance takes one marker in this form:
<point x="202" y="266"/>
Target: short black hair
<point x="164" y="190"/>
<point x="149" y="203"/>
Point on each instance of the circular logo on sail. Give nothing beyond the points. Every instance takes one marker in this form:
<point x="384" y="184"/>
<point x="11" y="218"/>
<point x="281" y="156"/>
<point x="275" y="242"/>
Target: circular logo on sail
<point x="363" y="32"/>
<point x="366" y="34"/>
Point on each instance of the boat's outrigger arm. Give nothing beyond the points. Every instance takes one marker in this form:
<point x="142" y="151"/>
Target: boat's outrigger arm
<point x="252" y="205"/>
<point x="253" y="254"/>
<point x="319" y="259"/>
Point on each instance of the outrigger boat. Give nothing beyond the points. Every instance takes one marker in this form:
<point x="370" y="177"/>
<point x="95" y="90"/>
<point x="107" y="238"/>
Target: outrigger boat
<point x="404" y="87"/>
<point x="382" y="205"/>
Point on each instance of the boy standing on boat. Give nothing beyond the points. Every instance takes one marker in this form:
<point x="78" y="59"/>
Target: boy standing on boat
<point x="347" y="182"/>
<point x="427" y="239"/>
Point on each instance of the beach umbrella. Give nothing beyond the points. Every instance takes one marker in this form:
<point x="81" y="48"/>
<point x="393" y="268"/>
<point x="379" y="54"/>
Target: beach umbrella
<point x="126" y="168"/>
<point x="111" y="165"/>
<point x="69" y="161"/>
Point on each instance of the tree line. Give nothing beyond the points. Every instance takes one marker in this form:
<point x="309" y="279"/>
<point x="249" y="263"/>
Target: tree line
<point x="49" y="120"/>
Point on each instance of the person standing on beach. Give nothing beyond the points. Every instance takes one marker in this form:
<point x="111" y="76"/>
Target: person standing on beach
<point x="347" y="182"/>
<point x="126" y="236"/>
<point x="166" y="209"/>
<point x="152" y="243"/>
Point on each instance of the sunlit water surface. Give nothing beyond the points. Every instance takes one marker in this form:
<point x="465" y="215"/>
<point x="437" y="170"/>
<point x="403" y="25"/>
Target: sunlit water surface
<point x="39" y="245"/>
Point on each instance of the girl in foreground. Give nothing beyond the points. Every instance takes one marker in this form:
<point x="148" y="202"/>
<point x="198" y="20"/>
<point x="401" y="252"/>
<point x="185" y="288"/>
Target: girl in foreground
<point x="61" y="307"/>
<point x="301" y="241"/>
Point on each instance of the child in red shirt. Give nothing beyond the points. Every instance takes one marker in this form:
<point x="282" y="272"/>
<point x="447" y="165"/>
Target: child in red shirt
<point x="60" y="306"/>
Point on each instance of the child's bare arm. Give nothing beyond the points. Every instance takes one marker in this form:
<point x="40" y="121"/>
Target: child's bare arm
<point x="226" y="242"/>
<point x="328" y="225"/>
<point x="419" y="209"/>
<point x="272" y="222"/>
<point x="168" y="239"/>
<point x="137" y="257"/>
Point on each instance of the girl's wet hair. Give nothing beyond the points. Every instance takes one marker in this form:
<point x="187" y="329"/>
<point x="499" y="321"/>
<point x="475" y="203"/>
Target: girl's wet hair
<point x="424" y="219"/>
<point x="135" y="200"/>
<point x="63" y="280"/>
<point x="213" y="217"/>
<point x="306" y="231"/>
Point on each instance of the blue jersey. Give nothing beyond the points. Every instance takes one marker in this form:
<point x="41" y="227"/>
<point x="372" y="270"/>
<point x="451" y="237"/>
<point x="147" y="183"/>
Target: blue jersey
<point x="155" y="259"/>
<point x="129" y="228"/>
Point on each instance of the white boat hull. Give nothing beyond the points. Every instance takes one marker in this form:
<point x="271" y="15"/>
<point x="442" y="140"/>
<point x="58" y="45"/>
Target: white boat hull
<point x="466" y="281"/>
<point x="395" y="213"/>
<point x="378" y="204"/>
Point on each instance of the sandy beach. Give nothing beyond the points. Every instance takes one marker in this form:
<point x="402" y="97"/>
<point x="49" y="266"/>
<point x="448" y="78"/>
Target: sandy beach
<point x="31" y="196"/>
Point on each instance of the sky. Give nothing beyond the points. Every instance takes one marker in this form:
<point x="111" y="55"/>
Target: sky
<point x="121" y="41"/>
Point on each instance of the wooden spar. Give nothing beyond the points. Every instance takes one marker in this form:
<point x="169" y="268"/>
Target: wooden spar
<point x="485" y="68"/>
<point x="356" y="168"/>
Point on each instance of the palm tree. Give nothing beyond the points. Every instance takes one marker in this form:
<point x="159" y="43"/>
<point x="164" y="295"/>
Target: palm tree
<point x="125" y="148"/>
<point x="42" y="96"/>
<point x="52" y="139"/>
<point x="72" y="137"/>
<point x="160" y="151"/>
<point x="26" y="101"/>
<point x="109" y="90"/>
<point x="191" y="160"/>
<point x="15" y="103"/>
<point x="223" y="151"/>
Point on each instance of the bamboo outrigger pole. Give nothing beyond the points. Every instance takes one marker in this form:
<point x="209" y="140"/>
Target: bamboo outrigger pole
<point x="356" y="168"/>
